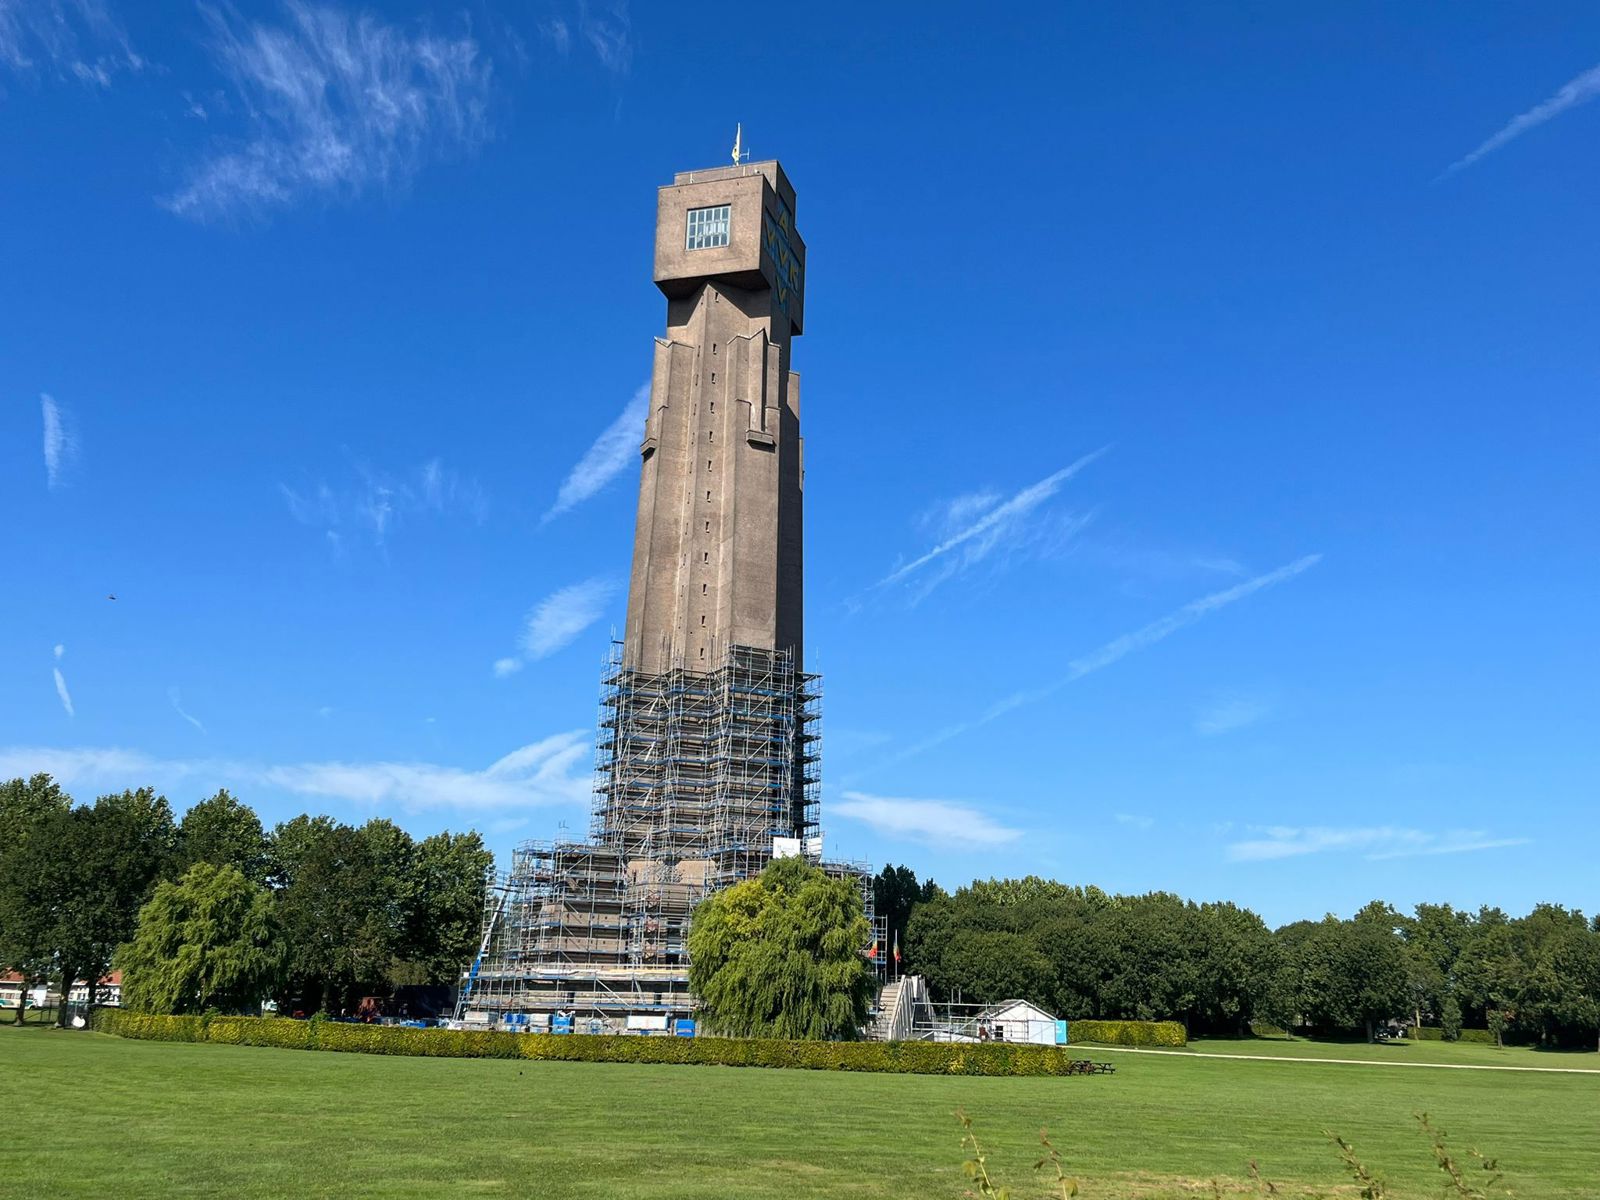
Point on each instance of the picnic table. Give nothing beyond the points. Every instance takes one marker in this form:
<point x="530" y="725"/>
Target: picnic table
<point x="1082" y="1066"/>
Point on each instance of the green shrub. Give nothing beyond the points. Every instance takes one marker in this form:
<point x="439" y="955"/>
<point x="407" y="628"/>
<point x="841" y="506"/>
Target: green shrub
<point x="1432" y="1033"/>
<point x="908" y="1058"/>
<point x="1128" y="1033"/>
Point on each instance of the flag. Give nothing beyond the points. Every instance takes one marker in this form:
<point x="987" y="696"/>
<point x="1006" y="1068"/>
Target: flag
<point x="738" y="137"/>
<point x="897" y="949"/>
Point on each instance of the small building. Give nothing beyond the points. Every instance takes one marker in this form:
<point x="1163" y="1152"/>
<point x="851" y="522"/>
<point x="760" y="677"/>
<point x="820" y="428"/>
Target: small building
<point x="108" y="994"/>
<point x="12" y="986"/>
<point x="1020" y="1021"/>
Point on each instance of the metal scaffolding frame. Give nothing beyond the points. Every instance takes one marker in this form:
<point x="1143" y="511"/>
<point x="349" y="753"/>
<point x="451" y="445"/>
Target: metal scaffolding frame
<point x="699" y="778"/>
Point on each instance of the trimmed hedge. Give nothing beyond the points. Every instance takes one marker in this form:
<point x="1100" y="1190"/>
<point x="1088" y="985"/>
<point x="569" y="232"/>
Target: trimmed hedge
<point x="1128" y="1033"/>
<point x="1432" y="1033"/>
<point x="905" y="1058"/>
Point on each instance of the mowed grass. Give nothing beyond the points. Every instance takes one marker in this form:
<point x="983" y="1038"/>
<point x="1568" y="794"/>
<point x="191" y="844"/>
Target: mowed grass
<point x="1446" y="1053"/>
<point x="95" y="1115"/>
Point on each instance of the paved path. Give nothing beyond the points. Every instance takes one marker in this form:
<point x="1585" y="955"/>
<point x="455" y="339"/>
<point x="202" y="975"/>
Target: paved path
<point x="1353" y="1062"/>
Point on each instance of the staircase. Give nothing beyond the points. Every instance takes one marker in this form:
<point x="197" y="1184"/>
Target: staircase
<point x="898" y="1007"/>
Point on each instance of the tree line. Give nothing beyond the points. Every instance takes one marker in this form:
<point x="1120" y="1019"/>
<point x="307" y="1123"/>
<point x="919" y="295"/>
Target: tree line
<point x="217" y="912"/>
<point x="1219" y="968"/>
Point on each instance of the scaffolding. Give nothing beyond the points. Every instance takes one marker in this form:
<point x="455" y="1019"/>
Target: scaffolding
<point x="700" y="779"/>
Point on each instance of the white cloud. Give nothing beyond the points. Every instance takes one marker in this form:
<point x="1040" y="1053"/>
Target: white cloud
<point x="556" y="621"/>
<point x="1374" y="843"/>
<point x="1585" y="87"/>
<point x="60" y="443"/>
<point x="77" y="39"/>
<point x="552" y="771"/>
<point x="603" y="461"/>
<point x="376" y="505"/>
<point x="177" y="706"/>
<point x="1228" y="713"/>
<point x="608" y="29"/>
<point x="1136" y="820"/>
<point x="336" y="103"/>
<point x="932" y="822"/>
<point x="979" y="523"/>
<point x="558" y="34"/>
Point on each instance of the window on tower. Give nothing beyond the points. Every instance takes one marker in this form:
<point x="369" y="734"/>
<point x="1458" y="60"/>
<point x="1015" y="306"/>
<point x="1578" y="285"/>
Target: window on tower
<point x="708" y="228"/>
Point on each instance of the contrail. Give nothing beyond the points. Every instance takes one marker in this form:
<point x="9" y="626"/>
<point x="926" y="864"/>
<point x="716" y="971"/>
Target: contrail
<point x="1584" y="87"/>
<point x="1115" y="650"/>
<point x="1028" y="498"/>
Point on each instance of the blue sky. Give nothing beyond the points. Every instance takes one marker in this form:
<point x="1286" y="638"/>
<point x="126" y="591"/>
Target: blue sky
<point x="1200" y="415"/>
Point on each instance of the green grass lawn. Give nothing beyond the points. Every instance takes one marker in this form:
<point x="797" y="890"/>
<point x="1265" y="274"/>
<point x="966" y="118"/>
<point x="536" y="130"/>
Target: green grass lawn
<point x="95" y="1115"/>
<point x="1458" y="1053"/>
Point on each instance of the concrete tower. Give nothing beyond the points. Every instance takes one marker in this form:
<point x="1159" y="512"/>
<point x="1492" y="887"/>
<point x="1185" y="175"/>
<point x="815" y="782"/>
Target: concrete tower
<point x="706" y="760"/>
<point x="717" y="551"/>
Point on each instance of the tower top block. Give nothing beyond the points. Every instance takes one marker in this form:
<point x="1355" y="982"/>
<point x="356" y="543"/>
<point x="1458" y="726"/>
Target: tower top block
<point x="754" y="245"/>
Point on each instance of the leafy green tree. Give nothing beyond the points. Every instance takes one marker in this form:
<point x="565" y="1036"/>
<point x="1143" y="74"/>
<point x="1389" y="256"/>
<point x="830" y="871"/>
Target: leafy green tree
<point x="209" y="940"/>
<point x="782" y="955"/>
<point x="1435" y="937"/>
<point x="26" y="807"/>
<point x="344" y="896"/>
<point x="1341" y="976"/>
<point x="1375" y="964"/>
<point x="445" y="919"/>
<point x="987" y="967"/>
<point x="1450" y="1018"/>
<point x="895" y="892"/>
<point x="85" y="871"/>
<point x="222" y="831"/>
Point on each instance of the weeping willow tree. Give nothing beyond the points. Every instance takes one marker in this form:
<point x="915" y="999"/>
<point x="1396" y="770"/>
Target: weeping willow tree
<point x="209" y="940"/>
<point x="781" y="956"/>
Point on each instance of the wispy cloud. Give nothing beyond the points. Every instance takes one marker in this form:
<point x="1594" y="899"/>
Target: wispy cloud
<point x="61" y="683"/>
<point x="60" y="440"/>
<point x="608" y="29"/>
<point x="558" y="33"/>
<point x="603" y="461"/>
<point x="1136" y="821"/>
<point x="380" y="501"/>
<point x="1585" y="87"/>
<point x="978" y="523"/>
<point x="71" y="39"/>
<point x="335" y="103"/>
<point x="931" y="822"/>
<point x="1374" y="843"/>
<point x="177" y="706"/>
<point x="1116" y="650"/>
<point x="552" y="771"/>
<point x="1228" y="713"/>
<point x="556" y="621"/>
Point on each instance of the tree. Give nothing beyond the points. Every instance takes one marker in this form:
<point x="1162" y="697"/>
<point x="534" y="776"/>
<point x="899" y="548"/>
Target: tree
<point x="1375" y="963"/>
<point x="782" y="955"/>
<point x="26" y="806"/>
<point x="85" y="871"/>
<point x="343" y="900"/>
<point x="986" y="967"/>
<point x="1450" y="1018"/>
<point x="445" y="920"/>
<point x="209" y="940"/>
<point x="895" y="892"/>
<point x="222" y="831"/>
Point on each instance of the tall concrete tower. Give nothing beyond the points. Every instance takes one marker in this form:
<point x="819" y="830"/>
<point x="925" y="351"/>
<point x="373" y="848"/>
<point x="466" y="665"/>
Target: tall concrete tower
<point x="706" y="760"/>
<point x="697" y="773"/>
<point x="717" y="550"/>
